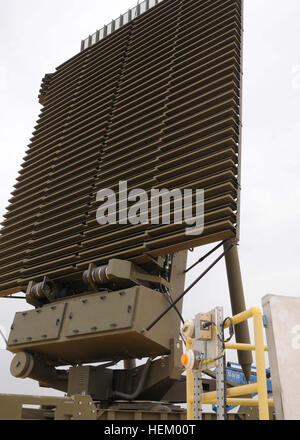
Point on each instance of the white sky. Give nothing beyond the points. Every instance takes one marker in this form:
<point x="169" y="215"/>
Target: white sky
<point x="38" y="35"/>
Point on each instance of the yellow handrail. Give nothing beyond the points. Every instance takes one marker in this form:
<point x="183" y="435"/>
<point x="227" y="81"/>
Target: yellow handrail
<point x="240" y="401"/>
<point x="242" y="390"/>
<point x="243" y="347"/>
<point x="260" y="387"/>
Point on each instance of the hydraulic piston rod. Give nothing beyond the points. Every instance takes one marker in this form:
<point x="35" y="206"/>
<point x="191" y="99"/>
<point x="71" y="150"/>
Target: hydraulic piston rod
<point x="238" y="305"/>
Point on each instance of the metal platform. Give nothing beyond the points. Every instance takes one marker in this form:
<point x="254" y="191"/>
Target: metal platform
<point x="17" y="407"/>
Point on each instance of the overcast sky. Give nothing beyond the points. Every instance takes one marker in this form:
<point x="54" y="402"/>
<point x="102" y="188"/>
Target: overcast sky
<point x="37" y="35"/>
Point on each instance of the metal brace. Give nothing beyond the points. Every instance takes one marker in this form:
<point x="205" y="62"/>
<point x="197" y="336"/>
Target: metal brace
<point x="220" y="371"/>
<point x="198" y="390"/>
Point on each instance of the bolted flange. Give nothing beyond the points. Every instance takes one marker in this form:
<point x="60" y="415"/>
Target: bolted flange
<point x="22" y="365"/>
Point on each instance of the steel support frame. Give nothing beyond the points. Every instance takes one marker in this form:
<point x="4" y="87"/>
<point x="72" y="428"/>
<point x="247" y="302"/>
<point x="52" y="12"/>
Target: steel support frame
<point x="220" y="370"/>
<point x="213" y="398"/>
<point x="260" y="387"/>
<point x="198" y="390"/>
<point x="238" y="304"/>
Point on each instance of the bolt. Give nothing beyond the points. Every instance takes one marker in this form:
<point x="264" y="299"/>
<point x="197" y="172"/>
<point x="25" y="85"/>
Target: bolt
<point x="75" y="331"/>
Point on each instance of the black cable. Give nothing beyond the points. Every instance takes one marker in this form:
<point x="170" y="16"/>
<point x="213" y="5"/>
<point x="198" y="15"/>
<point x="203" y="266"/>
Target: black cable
<point x="13" y="297"/>
<point x="140" y="386"/>
<point x="231" y="333"/>
<point x="164" y="289"/>
<point x="223" y="356"/>
<point x="188" y="289"/>
<point x="231" y="330"/>
<point x="109" y="364"/>
<point x="225" y="385"/>
<point x="222" y="338"/>
<point x="205" y="256"/>
<point x="169" y="298"/>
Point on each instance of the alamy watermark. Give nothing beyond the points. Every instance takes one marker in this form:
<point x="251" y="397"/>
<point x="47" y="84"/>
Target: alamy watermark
<point x="156" y="207"/>
<point x="296" y="338"/>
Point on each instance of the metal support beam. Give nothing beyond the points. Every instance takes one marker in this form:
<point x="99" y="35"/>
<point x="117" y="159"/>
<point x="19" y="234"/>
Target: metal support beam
<point x="238" y="305"/>
<point x="129" y="364"/>
<point x="198" y="390"/>
<point x="220" y="372"/>
<point x="190" y="396"/>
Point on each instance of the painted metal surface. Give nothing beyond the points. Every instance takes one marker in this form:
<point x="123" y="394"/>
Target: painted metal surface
<point x="96" y="327"/>
<point x="283" y="337"/>
<point x="156" y="103"/>
<point x="260" y="387"/>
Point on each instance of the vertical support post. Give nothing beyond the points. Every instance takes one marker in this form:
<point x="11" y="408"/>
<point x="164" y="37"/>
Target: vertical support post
<point x="129" y="364"/>
<point x="220" y="371"/>
<point x="198" y="390"/>
<point x="104" y="31"/>
<point x="263" y="406"/>
<point x="189" y="386"/>
<point x="238" y="305"/>
<point x="177" y="277"/>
